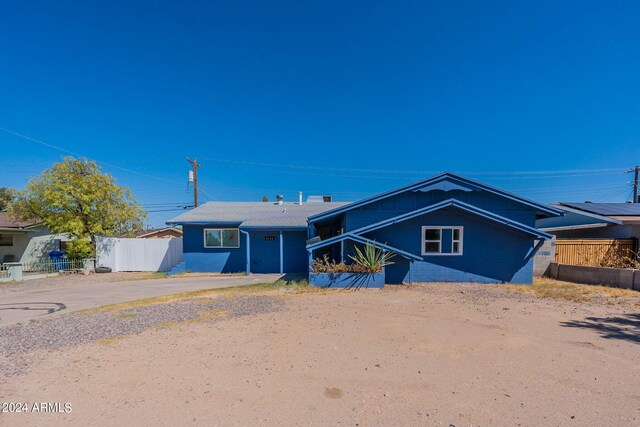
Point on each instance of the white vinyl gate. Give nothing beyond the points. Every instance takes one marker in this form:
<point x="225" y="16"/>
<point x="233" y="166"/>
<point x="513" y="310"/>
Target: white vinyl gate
<point x="138" y="254"/>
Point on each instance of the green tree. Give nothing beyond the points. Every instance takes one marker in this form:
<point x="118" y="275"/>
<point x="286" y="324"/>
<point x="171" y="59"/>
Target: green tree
<point x="75" y="197"/>
<point x="265" y="199"/>
<point x="6" y="195"/>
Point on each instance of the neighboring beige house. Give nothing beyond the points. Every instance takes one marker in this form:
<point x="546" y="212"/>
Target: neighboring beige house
<point x="26" y="242"/>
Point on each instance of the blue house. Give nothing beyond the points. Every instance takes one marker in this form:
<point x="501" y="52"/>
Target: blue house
<point x="256" y="237"/>
<point x="445" y="228"/>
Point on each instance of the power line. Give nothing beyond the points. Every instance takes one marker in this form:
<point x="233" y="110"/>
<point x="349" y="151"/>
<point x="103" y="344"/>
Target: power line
<point x="171" y="210"/>
<point x="410" y="172"/>
<point x="46" y="144"/>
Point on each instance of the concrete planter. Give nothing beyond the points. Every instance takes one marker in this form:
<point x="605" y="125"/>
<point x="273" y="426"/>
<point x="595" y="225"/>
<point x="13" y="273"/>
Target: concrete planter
<point x="347" y="280"/>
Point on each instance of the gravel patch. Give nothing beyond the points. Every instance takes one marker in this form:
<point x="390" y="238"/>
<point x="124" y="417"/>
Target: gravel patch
<point x="16" y="341"/>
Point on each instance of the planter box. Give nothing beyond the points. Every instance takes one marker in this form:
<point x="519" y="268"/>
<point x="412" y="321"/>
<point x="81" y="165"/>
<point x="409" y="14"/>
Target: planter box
<point x="347" y="280"/>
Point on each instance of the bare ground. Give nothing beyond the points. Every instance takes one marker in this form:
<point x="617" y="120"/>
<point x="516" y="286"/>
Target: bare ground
<point x="462" y="355"/>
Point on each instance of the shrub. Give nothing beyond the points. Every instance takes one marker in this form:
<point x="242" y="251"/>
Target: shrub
<point x="372" y="259"/>
<point x="325" y="265"/>
<point x="618" y="258"/>
<point x="79" y="249"/>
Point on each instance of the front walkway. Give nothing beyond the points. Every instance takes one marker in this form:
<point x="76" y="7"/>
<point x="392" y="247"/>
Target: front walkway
<point x="21" y="306"/>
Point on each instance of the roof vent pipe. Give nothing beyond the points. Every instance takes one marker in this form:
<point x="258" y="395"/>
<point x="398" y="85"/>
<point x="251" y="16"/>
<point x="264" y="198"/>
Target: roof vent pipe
<point x="300" y="198"/>
<point x="280" y="198"/>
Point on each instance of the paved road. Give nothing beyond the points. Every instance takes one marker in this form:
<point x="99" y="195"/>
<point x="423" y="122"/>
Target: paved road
<point x="20" y="306"/>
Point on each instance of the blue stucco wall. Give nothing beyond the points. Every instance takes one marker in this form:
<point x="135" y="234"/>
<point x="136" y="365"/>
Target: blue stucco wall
<point x="265" y="254"/>
<point x="491" y="252"/>
<point x="197" y="258"/>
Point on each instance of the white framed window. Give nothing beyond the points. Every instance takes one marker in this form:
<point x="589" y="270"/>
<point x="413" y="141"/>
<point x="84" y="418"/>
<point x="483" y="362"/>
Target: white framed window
<point x="456" y="240"/>
<point x="432" y="238"/>
<point x="221" y="238"/>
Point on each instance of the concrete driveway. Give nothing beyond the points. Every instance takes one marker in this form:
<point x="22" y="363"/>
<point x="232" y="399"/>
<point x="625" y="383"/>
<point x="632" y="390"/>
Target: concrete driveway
<point x="21" y="306"/>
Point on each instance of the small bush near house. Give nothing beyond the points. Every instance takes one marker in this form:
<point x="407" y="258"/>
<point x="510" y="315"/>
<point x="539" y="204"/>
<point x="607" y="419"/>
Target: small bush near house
<point x="325" y="265"/>
<point x="371" y="260"/>
<point x="79" y="249"/>
<point x="617" y="258"/>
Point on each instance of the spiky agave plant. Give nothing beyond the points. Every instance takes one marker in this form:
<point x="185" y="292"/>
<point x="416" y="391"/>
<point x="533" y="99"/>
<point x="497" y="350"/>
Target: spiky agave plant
<point x="372" y="259"/>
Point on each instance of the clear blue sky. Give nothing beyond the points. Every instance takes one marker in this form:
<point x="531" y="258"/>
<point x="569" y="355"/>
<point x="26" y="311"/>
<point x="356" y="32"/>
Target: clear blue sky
<point x="342" y="98"/>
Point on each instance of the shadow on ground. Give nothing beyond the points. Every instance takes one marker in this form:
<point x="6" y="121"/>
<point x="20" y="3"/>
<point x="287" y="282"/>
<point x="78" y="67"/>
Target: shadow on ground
<point x="625" y="327"/>
<point x="45" y="307"/>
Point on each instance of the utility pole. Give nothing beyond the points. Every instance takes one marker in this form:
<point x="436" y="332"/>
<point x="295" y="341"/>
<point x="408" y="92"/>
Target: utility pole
<point x="195" y="165"/>
<point x="635" y="170"/>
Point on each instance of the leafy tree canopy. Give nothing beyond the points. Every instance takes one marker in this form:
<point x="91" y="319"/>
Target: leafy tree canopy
<point x="6" y="195"/>
<point x="75" y="197"/>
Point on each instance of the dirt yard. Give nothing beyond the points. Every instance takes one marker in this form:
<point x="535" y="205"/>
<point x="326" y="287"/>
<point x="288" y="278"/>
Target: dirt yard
<point x="441" y="354"/>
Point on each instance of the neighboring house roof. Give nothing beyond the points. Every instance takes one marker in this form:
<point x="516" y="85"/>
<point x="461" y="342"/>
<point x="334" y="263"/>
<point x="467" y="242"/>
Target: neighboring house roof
<point x="151" y="232"/>
<point x="446" y="181"/>
<point x="158" y="231"/>
<point x="575" y="219"/>
<point x="254" y="214"/>
<point x="8" y="222"/>
<point x="594" y="214"/>
<point x="432" y="208"/>
<point x="606" y="209"/>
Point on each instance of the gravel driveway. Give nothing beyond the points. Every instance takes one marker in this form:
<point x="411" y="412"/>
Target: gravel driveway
<point x="27" y="303"/>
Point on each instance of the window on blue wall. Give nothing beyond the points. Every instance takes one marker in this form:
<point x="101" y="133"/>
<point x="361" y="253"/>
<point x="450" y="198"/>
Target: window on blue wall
<point x="441" y="240"/>
<point x="221" y="238"/>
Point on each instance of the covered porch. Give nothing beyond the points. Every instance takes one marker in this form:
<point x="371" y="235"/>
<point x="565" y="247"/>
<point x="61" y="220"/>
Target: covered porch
<point x="347" y="242"/>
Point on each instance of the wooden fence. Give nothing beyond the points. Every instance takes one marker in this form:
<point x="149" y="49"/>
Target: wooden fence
<point x="593" y="252"/>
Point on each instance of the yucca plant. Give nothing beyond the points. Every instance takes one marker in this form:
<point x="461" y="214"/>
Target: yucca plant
<point x="372" y="259"/>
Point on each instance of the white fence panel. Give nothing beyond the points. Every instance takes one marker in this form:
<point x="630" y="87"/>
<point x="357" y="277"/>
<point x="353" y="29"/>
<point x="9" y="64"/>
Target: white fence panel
<point x="138" y="254"/>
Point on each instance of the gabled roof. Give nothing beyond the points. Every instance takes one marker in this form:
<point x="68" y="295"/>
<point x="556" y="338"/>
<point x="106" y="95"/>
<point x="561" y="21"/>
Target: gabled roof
<point x="446" y="181"/>
<point x="254" y="214"/>
<point x="432" y="208"/>
<point x="606" y="209"/>
<point x="364" y="240"/>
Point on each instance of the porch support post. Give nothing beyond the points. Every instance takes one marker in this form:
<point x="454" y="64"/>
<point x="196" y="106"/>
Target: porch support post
<point x="341" y="250"/>
<point x="281" y="254"/>
<point x="248" y="266"/>
<point x="382" y="267"/>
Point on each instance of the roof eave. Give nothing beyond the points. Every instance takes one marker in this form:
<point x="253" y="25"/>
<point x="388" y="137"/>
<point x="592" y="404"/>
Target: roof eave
<point x="574" y="227"/>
